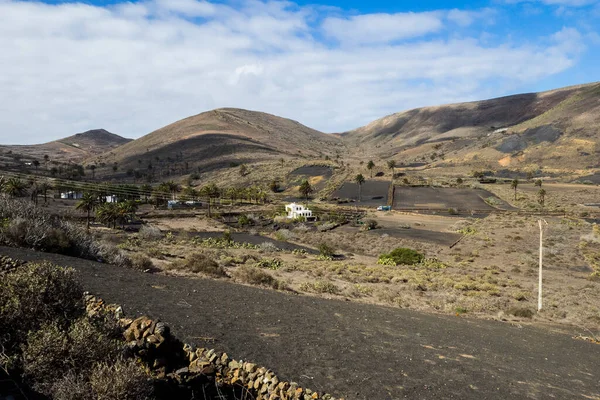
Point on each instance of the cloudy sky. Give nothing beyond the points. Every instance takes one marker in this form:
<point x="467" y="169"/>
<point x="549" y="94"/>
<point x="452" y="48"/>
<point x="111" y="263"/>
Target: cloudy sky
<point x="334" y="65"/>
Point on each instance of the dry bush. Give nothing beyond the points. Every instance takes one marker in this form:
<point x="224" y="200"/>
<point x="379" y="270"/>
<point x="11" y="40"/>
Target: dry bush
<point x="150" y="232"/>
<point x="123" y="380"/>
<point x="51" y="351"/>
<point x="284" y="235"/>
<point x="141" y="262"/>
<point x="71" y="386"/>
<point x="34" y="295"/>
<point x="268" y="247"/>
<point x="44" y="356"/>
<point x="34" y="227"/>
<point x="256" y="276"/>
<point x="320" y="287"/>
<point x="521" y="312"/>
<point x="200" y="263"/>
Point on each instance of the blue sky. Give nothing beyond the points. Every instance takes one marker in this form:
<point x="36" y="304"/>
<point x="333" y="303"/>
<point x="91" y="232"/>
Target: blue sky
<point x="132" y="67"/>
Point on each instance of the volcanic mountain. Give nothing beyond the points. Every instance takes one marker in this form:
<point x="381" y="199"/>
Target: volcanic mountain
<point x="73" y="148"/>
<point x="220" y="138"/>
<point x="557" y="131"/>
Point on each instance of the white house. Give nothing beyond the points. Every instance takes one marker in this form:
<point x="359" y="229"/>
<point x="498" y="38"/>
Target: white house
<point x="71" y="195"/>
<point x="297" y="210"/>
<point x="111" y="199"/>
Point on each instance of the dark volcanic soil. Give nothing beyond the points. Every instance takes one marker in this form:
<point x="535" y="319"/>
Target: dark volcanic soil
<point x="373" y="193"/>
<point x="356" y="350"/>
<point x="443" y="198"/>
<point x="420" y="235"/>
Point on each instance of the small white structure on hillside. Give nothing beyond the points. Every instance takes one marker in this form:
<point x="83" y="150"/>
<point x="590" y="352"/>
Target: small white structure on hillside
<point x="297" y="210"/>
<point x="71" y="195"/>
<point x="111" y="199"/>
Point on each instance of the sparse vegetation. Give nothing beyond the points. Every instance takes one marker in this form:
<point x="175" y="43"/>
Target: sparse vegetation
<point x="199" y="263"/>
<point x="256" y="276"/>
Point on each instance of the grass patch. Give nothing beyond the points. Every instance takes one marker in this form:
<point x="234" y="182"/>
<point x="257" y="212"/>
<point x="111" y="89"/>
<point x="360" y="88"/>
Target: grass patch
<point x="320" y="287"/>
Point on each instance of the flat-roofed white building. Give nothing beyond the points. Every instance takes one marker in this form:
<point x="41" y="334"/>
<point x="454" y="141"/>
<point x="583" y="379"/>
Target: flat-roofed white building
<point x="297" y="210"/>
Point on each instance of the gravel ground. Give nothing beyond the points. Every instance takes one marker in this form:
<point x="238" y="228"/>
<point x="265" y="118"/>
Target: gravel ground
<point x="356" y="350"/>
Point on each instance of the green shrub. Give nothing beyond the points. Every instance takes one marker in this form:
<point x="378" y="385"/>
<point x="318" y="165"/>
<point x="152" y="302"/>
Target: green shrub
<point x="370" y="224"/>
<point x="326" y="251"/>
<point x="273" y="263"/>
<point x="402" y="256"/>
<point x="244" y="220"/>
<point x="461" y="310"/>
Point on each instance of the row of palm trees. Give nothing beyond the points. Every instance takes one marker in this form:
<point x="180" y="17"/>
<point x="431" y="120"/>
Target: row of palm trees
<point x="210" y="191"/>
<point x="391" y="164"/>
<point x="109" y="214"/>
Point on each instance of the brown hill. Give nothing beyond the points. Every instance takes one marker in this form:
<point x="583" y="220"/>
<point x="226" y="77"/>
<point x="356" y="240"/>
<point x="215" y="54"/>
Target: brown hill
<point x="73" y="148"/>
<point x="556" y="131"/>
<point x="220" y="138"/>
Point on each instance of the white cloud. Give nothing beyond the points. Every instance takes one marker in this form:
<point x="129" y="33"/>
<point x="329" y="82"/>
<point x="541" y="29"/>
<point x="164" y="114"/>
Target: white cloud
<point x="466" y="18"/>
<point x="564" y="3"/>
<point x="382" y="28"/>
<point x="134" y="67"/>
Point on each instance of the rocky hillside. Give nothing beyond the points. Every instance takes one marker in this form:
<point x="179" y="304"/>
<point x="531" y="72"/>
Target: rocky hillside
<point x="552" y="132"/>
<point x="73" y="148"/>
<point x="220" y="138"/>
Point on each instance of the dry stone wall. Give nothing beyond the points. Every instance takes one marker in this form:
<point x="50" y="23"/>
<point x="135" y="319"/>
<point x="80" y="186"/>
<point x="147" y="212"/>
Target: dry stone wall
<point x="168" y="358"/>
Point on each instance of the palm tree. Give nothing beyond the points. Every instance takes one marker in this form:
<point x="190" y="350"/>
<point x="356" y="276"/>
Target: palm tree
<point x="541" y="197"/>
<point x="125" y="211"/>
<point x="231" y="193"/>
<point x="146" y="190"/>
<point x="87" y="203"/>
<point x="107" y="214"/>
<point x="14" y="187"/>
<point x="370" y="166"/>
<point x="305" y="189"/>
<point x="172" y="187"/>
<point x="514" y="185"/>
<point x="359" y="179"/>
<point x="391" y="165"/>
<point x="44" y="187"/>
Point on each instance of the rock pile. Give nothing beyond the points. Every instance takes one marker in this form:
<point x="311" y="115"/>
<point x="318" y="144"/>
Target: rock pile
<point x="168" y="358"/>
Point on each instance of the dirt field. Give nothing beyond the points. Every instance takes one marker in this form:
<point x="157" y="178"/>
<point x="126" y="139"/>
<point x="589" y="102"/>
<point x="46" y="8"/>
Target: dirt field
<point x="373" y="193"/>
<point x="444" y="198"/>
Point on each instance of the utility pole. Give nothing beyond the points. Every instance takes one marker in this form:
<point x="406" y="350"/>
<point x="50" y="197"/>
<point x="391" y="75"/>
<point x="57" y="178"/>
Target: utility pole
<point x="541" y="255"/>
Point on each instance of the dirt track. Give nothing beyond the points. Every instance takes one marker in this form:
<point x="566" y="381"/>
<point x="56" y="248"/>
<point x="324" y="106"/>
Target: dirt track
<point x="356" y="350"/>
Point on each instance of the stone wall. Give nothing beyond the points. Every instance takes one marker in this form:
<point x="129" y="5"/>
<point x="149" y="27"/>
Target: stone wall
<point x="181" y="364"/>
